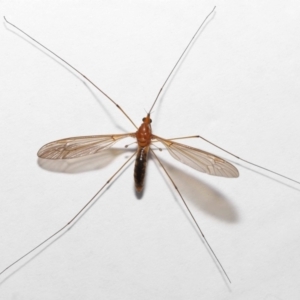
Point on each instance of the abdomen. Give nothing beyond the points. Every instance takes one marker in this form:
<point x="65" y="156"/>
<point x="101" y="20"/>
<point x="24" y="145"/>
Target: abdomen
<point x="140" y="167"/>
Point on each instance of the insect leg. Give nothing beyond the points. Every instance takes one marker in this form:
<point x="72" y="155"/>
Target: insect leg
<point x="73" y="219"/>
<point x="192" y="216"/>
<point x="248" y="162"/>
<point x="77" y="71"/>
<point x="185" y="137"/>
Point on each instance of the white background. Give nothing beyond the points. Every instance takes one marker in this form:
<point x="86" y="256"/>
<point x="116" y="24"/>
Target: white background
<point x="238" y="86"/>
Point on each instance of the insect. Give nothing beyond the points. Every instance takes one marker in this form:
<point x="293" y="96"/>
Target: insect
<point x="88" y="145"/>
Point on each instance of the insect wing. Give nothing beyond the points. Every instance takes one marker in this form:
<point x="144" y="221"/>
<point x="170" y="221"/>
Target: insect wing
<point x="199" y="160"/>
<point x="79" y="146"/>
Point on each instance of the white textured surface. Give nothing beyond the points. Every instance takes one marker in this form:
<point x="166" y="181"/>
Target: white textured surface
<point x="238" y="86"/>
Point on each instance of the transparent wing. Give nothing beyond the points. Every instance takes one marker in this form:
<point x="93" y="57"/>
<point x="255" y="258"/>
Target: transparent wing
<point x="198" y="159"/>
<point x="79" y="146"/>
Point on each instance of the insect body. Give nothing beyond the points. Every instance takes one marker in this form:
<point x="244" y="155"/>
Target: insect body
<point x="143" y="136"/>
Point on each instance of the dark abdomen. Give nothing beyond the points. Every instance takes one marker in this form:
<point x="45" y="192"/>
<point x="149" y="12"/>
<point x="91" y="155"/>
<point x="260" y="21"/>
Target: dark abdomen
<point x="140" y="167"/>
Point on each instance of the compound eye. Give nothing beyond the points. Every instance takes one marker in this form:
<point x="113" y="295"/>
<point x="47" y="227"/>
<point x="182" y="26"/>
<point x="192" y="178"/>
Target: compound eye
<point x="143" y="119"/>
<point x="150" y="120"/>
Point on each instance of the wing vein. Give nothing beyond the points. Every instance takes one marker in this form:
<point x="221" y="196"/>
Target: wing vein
<point x="75" y="147"/>
<point x="198" y="159"/>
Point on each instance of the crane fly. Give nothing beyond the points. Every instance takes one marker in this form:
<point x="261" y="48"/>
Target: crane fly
<point x="75" y="147"/>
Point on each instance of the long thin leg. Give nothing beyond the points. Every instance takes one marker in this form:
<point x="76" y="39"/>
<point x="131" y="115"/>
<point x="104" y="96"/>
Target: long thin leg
<point x="73" y="219"/>
<point x="192" y="216"/>
<point x="185" y="137"/>
<point x="116" y="104"/>
<point x="248" y="162"/>
<point x="180" y="57"/>
<point x="244" y="160"/>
